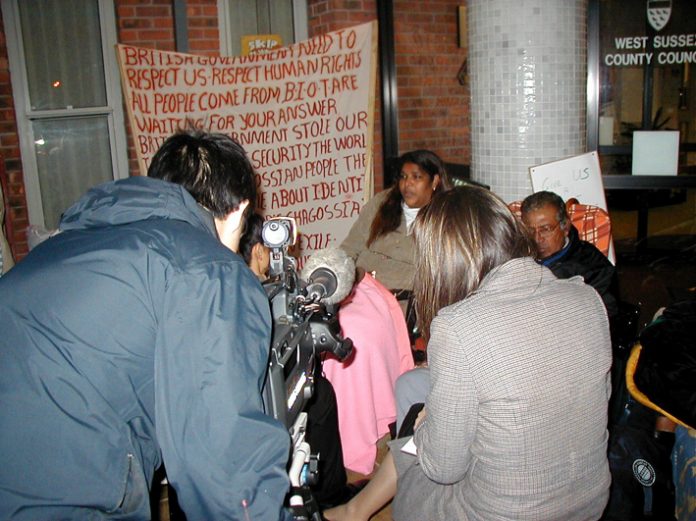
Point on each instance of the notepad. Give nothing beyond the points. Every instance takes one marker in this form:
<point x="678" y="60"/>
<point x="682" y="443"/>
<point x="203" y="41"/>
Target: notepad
<point x="410" y="447"/>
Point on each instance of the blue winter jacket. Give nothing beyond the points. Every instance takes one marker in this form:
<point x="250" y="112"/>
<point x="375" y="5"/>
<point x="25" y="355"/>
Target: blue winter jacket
<point x="132" y="337"/>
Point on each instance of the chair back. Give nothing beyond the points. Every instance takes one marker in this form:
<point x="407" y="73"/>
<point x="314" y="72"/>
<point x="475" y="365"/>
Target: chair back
<point x="592" y="222"/>
<point x="593" y="225"/>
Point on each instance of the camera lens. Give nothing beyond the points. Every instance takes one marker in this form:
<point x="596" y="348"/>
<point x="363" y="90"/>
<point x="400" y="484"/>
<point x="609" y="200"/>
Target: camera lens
<point x="274" y="234"/>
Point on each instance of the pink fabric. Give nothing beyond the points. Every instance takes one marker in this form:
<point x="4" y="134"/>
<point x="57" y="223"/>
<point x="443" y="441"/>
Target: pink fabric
<point x="364" y="385"/>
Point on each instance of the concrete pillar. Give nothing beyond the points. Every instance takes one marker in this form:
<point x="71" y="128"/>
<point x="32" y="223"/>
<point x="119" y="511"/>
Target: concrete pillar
<point x="527" y="69"/>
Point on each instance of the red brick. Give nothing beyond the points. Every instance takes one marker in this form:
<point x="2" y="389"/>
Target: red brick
<point x="153" y="12"/>
<point x="154" y="34"/>
<point x="202" y="22"/>
<point x="128" y="36"/>
<point x="160" y="23"/>
<point x="125" y="11"/>
<point x="135" y="23"/>
<point x="318" y="8"/>
<point x="199" y="45"/>
<point x="209" y="11"/>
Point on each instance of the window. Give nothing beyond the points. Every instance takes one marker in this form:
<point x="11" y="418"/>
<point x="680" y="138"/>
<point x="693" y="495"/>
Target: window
<point x="641" y="76"/>
<point x="238" y="18"/>
<point x="67" y="100"/>
<point x="646" y="77"/>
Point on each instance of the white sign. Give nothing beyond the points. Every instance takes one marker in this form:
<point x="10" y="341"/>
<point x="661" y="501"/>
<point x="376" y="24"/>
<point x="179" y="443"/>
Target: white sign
<point x="578" y="176"/>
<point x="655" y="152"/>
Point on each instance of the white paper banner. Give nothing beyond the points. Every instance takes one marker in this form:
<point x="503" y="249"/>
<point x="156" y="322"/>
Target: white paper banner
<point x="304" y="114"/>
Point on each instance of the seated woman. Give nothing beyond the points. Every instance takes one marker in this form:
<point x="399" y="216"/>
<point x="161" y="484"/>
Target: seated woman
<point x="515" y="422"/>
<point x="380" y="239"/>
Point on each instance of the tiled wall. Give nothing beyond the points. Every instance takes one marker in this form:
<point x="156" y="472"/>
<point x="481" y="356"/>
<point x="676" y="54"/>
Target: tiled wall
<point x="527" y="64"/>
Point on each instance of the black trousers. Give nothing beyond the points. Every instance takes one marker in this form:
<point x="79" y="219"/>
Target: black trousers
<point x="324" y="439"/>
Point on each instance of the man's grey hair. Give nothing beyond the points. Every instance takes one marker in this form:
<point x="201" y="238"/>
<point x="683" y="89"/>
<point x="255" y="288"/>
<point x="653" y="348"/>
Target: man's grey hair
<point x="540" y="199"/>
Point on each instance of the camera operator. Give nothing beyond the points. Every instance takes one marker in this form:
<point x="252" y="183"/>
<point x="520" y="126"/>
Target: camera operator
<point x="135" y="337"/>
<point x="322" y="412"/>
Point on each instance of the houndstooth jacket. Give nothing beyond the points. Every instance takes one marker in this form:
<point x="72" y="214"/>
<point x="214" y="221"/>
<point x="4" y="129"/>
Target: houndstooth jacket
<point x="516" y="424"/>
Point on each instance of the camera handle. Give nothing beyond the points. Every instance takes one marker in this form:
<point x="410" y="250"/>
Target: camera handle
<point x="303" y="473"/>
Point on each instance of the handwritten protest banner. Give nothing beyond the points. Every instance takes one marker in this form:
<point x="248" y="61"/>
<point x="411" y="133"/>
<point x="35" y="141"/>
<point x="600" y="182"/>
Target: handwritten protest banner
<point x="304" y="113"/>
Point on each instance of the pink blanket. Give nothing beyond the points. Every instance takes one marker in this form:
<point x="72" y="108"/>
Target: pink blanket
<point x="364" y="385"/>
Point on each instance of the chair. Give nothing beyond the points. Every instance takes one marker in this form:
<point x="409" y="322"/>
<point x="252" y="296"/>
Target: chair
<point x="592" y="222"/>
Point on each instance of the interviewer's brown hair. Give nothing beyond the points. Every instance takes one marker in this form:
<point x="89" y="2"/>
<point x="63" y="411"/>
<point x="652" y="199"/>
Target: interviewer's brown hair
<point x="461" y="235"/>
<point x="388" y="216"/>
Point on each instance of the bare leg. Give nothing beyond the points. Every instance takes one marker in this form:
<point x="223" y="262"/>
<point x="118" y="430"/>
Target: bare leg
<point x="377" y="493"/>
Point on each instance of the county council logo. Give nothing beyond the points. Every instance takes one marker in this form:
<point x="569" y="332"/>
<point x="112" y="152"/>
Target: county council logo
<point x="659" y="12"/>
<point x="644" y="472"/>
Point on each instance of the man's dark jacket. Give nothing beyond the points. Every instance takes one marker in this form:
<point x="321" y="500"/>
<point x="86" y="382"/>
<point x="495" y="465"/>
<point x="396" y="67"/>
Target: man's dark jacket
<point x="130" y="337"/>
<point x="582" y="258"/>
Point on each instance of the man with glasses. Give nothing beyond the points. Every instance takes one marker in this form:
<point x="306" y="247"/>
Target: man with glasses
<point x="560" y="249"/>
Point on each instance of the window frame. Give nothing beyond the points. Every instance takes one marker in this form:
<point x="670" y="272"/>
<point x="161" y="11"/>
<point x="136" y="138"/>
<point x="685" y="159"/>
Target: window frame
<point x="299" y="22"/>
<point x="24" y="114"/>
<point x="622" y="181"/>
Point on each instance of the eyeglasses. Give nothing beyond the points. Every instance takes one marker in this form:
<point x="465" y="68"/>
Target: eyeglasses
<point x="543" y="231"/>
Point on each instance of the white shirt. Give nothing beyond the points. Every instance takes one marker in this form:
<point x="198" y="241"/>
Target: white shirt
<point x="409" y="214"/>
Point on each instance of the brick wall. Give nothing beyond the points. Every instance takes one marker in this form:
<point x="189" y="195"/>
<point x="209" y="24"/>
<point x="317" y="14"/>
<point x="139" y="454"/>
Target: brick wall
<point x="16" y="215"/>
<point x="433" y="107"/>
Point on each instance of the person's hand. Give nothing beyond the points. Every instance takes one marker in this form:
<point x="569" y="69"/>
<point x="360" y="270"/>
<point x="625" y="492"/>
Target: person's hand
<point x="419" y="418"/>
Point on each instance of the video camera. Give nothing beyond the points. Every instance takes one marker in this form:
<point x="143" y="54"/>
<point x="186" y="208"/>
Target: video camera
<point x="305" y="324"/>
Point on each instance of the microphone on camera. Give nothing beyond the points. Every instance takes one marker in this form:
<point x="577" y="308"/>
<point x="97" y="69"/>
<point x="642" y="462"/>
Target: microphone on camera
<point x="330" y="274"/>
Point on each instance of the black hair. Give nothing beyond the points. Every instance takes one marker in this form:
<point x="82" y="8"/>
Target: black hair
<point x="251" y="236"/>
<point x="213" y="168"/>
